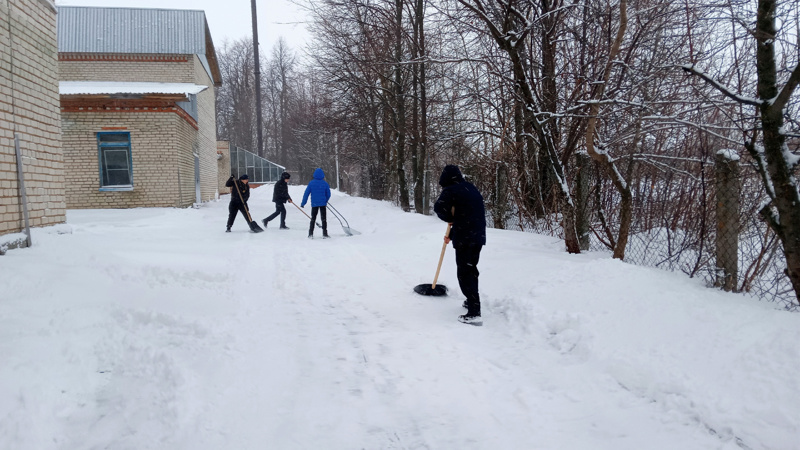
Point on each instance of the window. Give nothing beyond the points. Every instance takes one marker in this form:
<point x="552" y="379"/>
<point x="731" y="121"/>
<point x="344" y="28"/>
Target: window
<point x="115" y="161"/>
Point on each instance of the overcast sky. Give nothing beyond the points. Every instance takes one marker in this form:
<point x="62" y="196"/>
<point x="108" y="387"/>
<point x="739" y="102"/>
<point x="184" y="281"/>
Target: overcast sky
<point x="230" y="19"/>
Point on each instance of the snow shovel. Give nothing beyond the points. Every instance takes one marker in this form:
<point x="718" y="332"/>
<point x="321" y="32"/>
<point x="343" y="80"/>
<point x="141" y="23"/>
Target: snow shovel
<point x="302" y="211"/>
<point x="253" y="226"/>
<point x="347" y="230"/>
<point x="434" y="289"/>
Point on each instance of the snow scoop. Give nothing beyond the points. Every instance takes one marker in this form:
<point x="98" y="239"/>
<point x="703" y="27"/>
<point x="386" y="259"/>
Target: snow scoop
<point x="303" y="211"/>
<point x="434" y="289"/>
<point x="347" y="230"/>
<point x="253" y="226"/>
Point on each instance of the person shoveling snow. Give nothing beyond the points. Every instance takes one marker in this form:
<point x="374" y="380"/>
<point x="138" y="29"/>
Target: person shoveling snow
<point x="461" y="204"/>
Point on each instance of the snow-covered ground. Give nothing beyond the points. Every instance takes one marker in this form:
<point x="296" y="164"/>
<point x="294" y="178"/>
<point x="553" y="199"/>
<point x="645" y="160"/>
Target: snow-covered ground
<point x="154" y="329"/>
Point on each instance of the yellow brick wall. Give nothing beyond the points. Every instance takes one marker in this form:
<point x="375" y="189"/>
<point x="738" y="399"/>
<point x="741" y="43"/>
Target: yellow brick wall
<point x="161" y="146"/>
<point x="166" y="68"/>
<point x="185" y="162"/>
<point x="223" y="166"/>
<point x="207" y="135"/>
<point x="165" y="71"/>
<point x="29" y="104"/>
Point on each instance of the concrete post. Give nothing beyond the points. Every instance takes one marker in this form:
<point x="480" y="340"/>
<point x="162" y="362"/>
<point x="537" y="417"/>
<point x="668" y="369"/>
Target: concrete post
<point x="728" y="187"/>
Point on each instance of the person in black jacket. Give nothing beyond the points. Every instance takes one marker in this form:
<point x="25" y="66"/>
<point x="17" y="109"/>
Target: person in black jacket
<point x="238" y="203"/>
<point x="280" y="195"/>
<point x="461" y="204"/>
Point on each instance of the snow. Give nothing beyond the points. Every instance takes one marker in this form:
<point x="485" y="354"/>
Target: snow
<point x="152" y="328"/>
<point x="729" y="154"/>
<point x="126" y="87"/>
<point x="12" y="240"/>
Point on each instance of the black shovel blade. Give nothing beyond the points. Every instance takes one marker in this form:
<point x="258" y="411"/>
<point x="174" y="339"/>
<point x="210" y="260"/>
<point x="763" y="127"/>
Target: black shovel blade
<point x="255" y="228"/>
<point x="428" y="289"/>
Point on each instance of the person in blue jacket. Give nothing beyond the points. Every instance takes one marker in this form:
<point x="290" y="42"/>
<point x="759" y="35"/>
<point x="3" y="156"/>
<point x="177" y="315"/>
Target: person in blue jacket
<point x="320" y="192"/>
<point x="461" y="204"/>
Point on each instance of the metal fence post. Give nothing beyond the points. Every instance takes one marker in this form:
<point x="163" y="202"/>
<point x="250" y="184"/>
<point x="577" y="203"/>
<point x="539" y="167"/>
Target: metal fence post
<point x="728" y="186"/>
<point x="23" y="196"/>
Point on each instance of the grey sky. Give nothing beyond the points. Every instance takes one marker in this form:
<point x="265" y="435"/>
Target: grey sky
<point x="230" y="19"/>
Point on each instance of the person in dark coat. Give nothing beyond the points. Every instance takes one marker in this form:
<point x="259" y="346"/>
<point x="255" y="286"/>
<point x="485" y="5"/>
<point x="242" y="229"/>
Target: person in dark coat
<point x="320" y="192"/>
<point x="461" y="204"/>
<point x="280" y="195"/>
<point x="238" y="203"/>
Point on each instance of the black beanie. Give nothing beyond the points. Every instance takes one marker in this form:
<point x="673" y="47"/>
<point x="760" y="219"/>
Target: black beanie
<point x="285" y="176"/>
<point x="244" y="177"/>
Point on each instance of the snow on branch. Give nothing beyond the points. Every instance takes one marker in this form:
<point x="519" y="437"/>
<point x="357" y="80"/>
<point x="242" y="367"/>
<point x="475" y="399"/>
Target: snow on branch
<point x="725" y="91"/>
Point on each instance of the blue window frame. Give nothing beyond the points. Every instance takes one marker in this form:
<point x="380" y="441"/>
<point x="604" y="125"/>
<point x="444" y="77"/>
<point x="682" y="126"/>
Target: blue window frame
<point x="114" y="153"/>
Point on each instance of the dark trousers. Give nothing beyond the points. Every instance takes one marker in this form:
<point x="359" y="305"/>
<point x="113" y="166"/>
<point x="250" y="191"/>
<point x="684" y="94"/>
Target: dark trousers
<point x="323" y="212"/>
<point x="233" y="208"/>
<point x="279" y="209"/>
<point x="467" y="257"/>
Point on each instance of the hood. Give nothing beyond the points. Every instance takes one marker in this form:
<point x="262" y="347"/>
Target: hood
<point x="319" y="174"/>
<point x="450" y="175"/>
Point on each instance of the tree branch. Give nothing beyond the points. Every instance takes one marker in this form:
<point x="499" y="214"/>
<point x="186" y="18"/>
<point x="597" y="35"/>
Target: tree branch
<point x="786" y="92"/>
<point x="725" y="91"/>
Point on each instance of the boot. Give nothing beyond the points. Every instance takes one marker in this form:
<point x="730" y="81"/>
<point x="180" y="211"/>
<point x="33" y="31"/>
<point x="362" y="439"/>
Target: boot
<point x="265" y="222"/>
<point x="228" y="229"/>
<point x="471" y="319"/>
<point x="325" y="234"/>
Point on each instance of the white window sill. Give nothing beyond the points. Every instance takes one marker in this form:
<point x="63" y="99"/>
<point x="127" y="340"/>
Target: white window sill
<point x="116" y="188"/>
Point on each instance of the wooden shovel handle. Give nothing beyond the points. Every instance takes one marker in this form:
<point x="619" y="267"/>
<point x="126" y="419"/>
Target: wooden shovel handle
<point x="242" y="199"/>
<point x="441" y="257"/>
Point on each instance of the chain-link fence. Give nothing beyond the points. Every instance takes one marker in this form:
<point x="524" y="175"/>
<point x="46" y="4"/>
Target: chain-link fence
<point x="697" y="216"/>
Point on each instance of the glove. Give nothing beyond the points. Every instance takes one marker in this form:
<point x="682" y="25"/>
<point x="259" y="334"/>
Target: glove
<point x="302" y="205"/>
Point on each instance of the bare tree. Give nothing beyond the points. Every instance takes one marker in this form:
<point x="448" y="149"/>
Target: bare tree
<point x="767" y="142"/>
<point x="235" y="108"/>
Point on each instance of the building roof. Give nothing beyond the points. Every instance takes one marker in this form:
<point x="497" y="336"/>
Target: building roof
<point x="126" y="88"/>
<point x="83" y="29"/>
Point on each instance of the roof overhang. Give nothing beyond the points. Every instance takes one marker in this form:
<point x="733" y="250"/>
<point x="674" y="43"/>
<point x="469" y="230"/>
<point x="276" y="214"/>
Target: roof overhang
<point x="128" y="90"/>
<point x="211" y="56"/>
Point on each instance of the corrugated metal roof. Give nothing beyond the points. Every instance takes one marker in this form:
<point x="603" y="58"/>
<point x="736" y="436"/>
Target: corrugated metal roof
<point x="115" y="87"/>
<point x="131" y="30"/>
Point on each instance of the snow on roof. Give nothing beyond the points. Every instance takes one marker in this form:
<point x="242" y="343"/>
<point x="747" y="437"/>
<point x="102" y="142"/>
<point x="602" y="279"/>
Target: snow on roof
<point x="125" y="87"/>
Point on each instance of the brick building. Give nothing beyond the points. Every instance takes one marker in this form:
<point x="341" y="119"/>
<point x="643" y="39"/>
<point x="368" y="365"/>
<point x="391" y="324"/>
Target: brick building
<point x="137" y="107"/>
<point x="29" y="111"/>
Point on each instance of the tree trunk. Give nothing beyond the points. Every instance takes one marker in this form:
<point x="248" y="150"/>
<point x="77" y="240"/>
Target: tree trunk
<point x="400" y="109"/>
<point x="782" y="186"/>
<point x="582" y="181"/>
<point x="422" y="157"/>
<point x="414" y="145"/>
<point x="601" y="156"/>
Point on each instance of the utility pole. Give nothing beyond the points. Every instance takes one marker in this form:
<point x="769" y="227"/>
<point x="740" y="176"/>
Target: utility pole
<point x="260" y="150"/>
<point x="336" y="151"/>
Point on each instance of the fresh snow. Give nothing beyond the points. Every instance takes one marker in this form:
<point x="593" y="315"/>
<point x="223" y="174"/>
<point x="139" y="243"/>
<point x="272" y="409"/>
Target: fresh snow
<point x="152" y="328"/>
<point x="12" y="240"/>
<point x="729" y="154"/>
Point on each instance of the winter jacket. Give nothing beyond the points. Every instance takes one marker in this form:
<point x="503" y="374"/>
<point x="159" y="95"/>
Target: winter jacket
<point x="469" y="221"/>
<point x="243" y="188"/>
<point x="319" y="189"/>
<point x="281" y="192"/>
